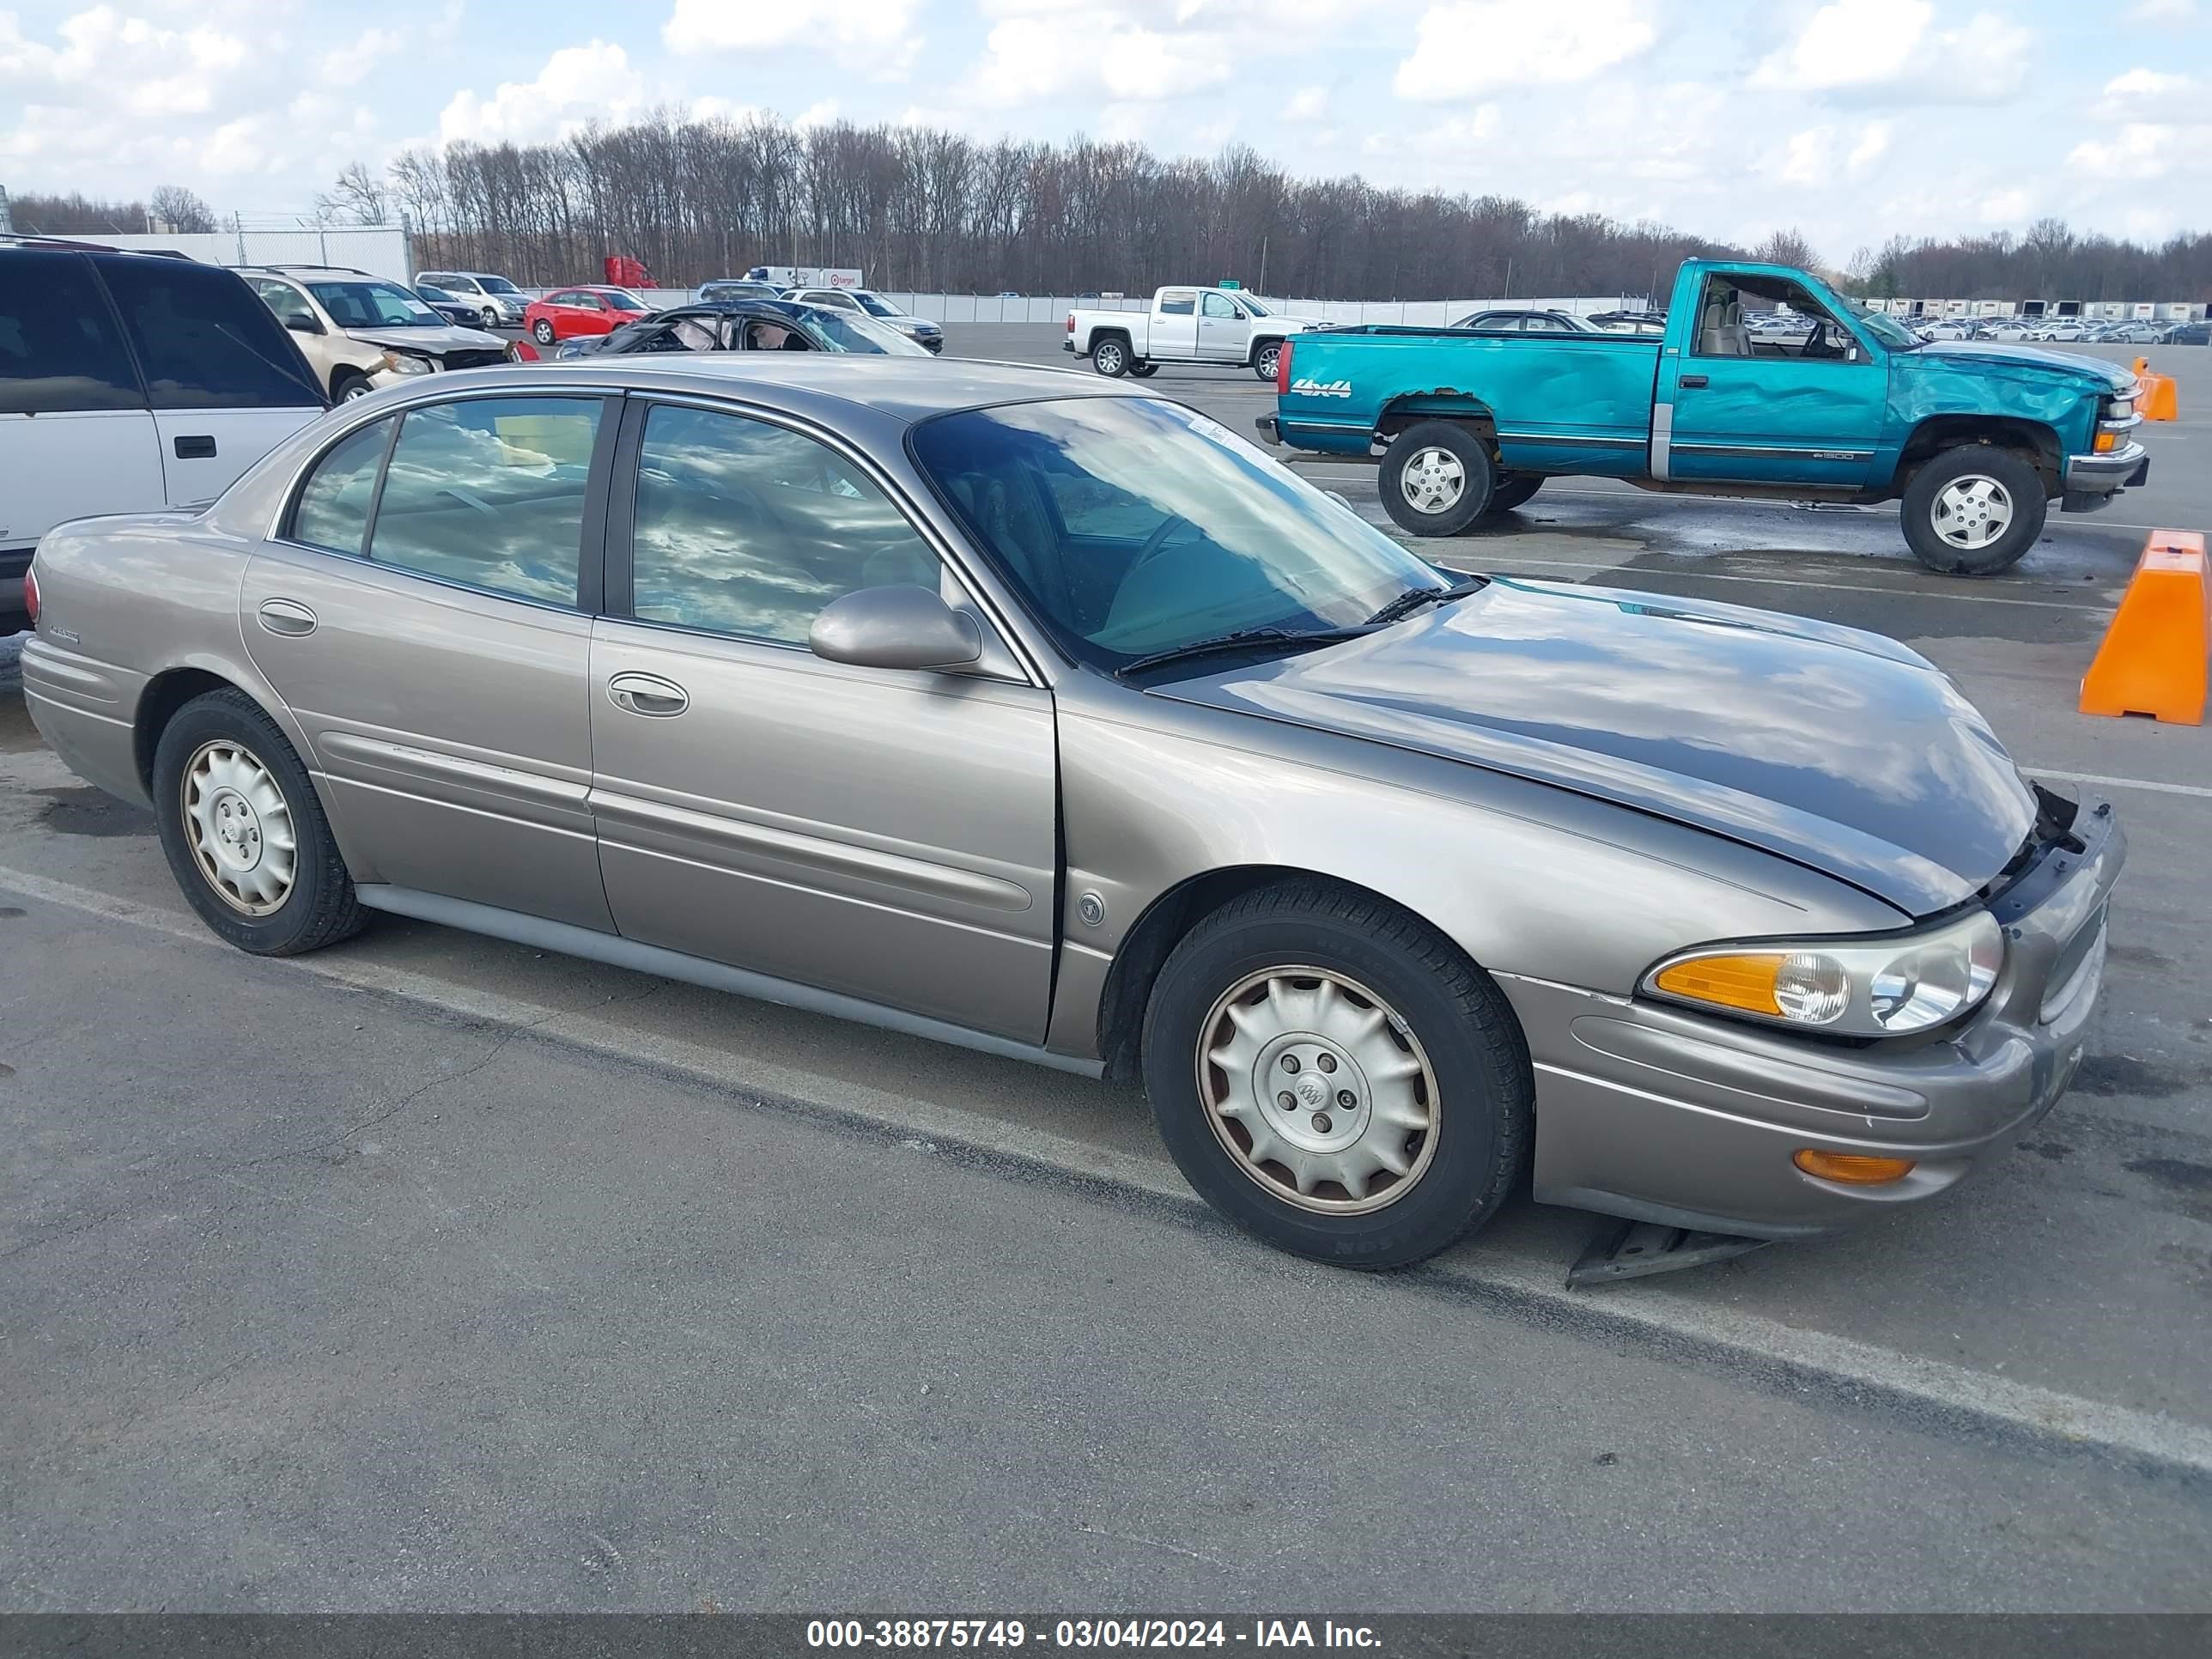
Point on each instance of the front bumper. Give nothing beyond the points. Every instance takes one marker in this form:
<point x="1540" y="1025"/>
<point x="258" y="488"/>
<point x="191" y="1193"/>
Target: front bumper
<point x="1661" y="1115"/>
<point x="2091" y="481"/>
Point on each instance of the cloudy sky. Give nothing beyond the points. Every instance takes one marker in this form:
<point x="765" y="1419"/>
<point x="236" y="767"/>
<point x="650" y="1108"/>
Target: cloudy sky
<point x="1851" y="120"/>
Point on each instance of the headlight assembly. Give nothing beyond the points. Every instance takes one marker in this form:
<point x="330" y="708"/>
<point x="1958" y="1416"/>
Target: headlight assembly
<point x="1872" y="987"/>
<point x="400" y="362"/>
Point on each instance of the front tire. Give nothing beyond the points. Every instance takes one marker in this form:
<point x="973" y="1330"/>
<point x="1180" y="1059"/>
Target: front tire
<point x="1336" y="1078"/>
<point x="490" y="316"/>
<point x="1110" y="357"/>
<point x="1436" y="479"/>
<point x="1143" y="371"/>
<point x="1267" y="360"/>
<point x="349" y="384"/>
<point x="244" y="831"/>
<point x="1974" y="510"/>
<point x="542" y="330"/>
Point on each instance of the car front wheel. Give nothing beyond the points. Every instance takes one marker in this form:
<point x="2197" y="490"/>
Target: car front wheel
<point x="1974" y="510"/>
<point x="244" y="831"/>
<point x="1336" y="1078"/>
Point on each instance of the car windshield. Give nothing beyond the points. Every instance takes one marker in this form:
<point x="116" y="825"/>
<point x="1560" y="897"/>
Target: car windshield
<point x="374" y="305"/>
<point x="1134" y="527"/>
<point x="623" y="302"/>
<point x="496" y="285"/>
<point x="845" y="330"/>
<point x="873" y="305"/>
<point x="1880" y="324"/>
<point x="1254" y="307"/>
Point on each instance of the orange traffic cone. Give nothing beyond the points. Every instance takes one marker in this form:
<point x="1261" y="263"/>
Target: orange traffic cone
<point x="2154" y="659"/>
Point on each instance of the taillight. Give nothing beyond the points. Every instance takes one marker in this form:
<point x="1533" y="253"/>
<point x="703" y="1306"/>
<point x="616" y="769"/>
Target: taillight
<point x="1071" y="322"/>
<point x="1283" y="369"/>
<point x="31" y="595"/>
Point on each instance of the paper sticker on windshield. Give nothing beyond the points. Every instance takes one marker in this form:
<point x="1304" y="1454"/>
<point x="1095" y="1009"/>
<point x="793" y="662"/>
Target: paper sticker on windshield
<point x="1207" y="428"/>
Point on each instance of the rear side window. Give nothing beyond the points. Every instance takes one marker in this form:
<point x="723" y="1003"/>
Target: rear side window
<point x="1178" y="305"/>
<point x="489" y="492"/>
<point x="59" y="348"/>
<point x="204" y="339"/>
<point x="334" y="502"/>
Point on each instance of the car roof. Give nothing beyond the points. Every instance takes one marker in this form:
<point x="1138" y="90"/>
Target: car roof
<point x="906" y="389"/>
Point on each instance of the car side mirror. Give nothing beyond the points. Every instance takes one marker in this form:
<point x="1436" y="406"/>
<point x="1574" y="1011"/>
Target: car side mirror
<point x="300" y="323"/>
<point x="897" y="627"/>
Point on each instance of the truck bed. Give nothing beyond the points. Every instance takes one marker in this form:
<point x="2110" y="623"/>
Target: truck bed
<point x="1590" y="411"/>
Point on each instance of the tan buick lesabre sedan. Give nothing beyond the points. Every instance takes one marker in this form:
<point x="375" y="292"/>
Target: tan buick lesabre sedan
<point x="1033" y="713"/>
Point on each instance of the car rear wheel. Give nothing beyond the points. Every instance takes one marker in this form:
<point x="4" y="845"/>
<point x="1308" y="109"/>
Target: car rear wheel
<point x="1110" y="357"/>
<point x="1267" y="359"/>
<point x="542" y="330"/>
<point x="1974" y="510"/>
<point x="1436" y="479"/>
<point x="244" y="831"/>
<point x="1336" y="1078"/>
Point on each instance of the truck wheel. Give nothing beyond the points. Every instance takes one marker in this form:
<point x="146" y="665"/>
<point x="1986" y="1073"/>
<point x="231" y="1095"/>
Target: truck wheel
<point x="1436" y="479"/>
<point x="1266" y="359"/>
<point x="1144" y="371"/>
<point x="1972" y="511"/>
<point x="1511" y="493"/>
<point x="1336" y="1078"/>
<point x="1110" y="356"/>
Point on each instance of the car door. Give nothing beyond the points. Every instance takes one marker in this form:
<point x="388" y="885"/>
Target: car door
<point x="226" y="383"/>
<point x="76" y="434"/>
<point x="1770" y="418"/>
<point x="1224" y="334"/>
<point x="886" y="835"/>
<point x="1173" y="336"/>
<point x="424" y="610"/>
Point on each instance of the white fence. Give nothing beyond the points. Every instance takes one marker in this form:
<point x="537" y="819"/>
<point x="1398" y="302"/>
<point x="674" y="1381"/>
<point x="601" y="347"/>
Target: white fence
<point x="380" y="249"/>
<point x="1054" y="309"/>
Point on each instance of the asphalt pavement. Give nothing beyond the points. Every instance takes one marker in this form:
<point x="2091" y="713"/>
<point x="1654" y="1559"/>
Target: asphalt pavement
<point x="434" y="1273"/>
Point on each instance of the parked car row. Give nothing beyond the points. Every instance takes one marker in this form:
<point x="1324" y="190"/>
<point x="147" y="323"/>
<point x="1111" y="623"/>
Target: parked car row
<point x="2067" y="331"/>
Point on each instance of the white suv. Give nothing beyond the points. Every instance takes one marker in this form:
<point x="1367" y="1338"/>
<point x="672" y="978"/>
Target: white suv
<point x="130" y="382"/>
<point x="498" y="301"/>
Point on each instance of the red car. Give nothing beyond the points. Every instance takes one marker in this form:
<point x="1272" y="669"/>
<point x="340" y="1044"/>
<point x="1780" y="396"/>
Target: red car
<point x="567" y="312"/>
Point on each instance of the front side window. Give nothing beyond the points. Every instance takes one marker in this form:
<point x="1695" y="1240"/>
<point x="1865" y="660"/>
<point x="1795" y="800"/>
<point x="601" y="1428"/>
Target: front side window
<point x="333" y="511"/>
<point x="59" y="348"/>
<point x="205" y="339"/>
<point x="489" y="491"/>
<point x="1216" y="305"/>
<point x="744" y="528"/>
<point x="372" y="305"/>
<point x="1132" y="526"/>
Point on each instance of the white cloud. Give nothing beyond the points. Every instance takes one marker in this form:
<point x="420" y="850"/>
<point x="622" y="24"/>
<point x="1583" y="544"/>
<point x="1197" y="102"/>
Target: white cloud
<point x="1890" y="49"/>
<point x="1030" y="59"/>
<point x="348" y="65"/>
<point x="1472" y="46"/>
<point x="876" y="35"/>
<point x="2144" y="95"/>
<point x="2162" y="11"/>
<point x="1306" y="104"/>
<point x="1819" y="156"/>
<point x="578" y="84"/>
<point x="109" y="62"/>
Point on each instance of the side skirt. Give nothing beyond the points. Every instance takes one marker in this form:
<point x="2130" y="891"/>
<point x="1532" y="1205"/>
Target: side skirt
<point x="619" y="952"/>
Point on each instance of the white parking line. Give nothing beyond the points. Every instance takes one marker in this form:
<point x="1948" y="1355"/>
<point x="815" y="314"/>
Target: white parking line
<point x="1672" y="1318"/>
<point x="2198" y="790"/>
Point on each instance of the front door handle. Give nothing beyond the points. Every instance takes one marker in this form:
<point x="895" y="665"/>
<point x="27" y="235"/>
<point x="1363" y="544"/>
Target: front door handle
<point x="1692" y="380"/>
<point x="648" y="695"/>
<point x="286" y="617"/>
<point x="199" y="447"/>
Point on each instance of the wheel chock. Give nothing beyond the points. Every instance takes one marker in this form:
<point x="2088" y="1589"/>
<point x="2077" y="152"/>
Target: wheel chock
<point x="2154" y="659"/>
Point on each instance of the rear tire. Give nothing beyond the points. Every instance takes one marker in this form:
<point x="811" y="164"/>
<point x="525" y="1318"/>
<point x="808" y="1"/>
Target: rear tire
<point x="244" y="830"/>
<point x="1974" y="510"/>
<point x="542" y="331"/>
<point x="1110" y="356"/>
<point x="1423" y="1108"/>
<point x="1512" y="492"/>
<point x="1436" y="479"/>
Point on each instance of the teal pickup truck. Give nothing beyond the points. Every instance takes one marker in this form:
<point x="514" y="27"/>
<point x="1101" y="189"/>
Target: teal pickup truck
<point x="1766" y="384"/>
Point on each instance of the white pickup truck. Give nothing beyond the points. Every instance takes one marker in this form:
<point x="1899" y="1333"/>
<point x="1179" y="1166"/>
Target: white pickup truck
<point x="1220" y="325"/>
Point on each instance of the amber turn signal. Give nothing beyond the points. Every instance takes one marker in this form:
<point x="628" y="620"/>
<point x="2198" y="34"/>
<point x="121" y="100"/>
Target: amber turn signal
<point x="1850" y="1168"/>
<point x="1745" y="982"/>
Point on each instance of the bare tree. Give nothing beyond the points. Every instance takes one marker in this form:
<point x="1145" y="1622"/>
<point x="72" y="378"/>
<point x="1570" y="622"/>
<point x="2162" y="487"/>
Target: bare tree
<point x="180" y="209"/>
<point x="358" y="196"/>
<point x="1788" y="247"/>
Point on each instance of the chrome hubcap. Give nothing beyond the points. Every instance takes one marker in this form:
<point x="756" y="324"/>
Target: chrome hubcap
<point x="1268" y="360"/>
<point x="1109" y="357"/>
<point x="1317" y="1089"/>
<point x="241" y="828"/>
<point x="1433" y="480"/>
<point x="1973" y="512"/>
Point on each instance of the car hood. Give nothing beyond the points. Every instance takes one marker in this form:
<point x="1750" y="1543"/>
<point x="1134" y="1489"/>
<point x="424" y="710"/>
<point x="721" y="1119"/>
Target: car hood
<point x="1838" y="748"/>
<point x="1975" y="354"/>
<point x="430" y="341"/>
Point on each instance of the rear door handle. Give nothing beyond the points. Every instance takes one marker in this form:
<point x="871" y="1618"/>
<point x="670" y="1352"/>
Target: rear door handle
<point x="1692" y="380"/>
<point x="648" y="695"/>
<point x="200" y="447"/>
<point x="286" y="617"/>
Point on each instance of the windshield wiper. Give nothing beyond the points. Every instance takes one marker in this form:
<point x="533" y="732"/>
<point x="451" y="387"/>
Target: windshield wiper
<point x="1413" y="599"/>
<point x="1237" y="640"/>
